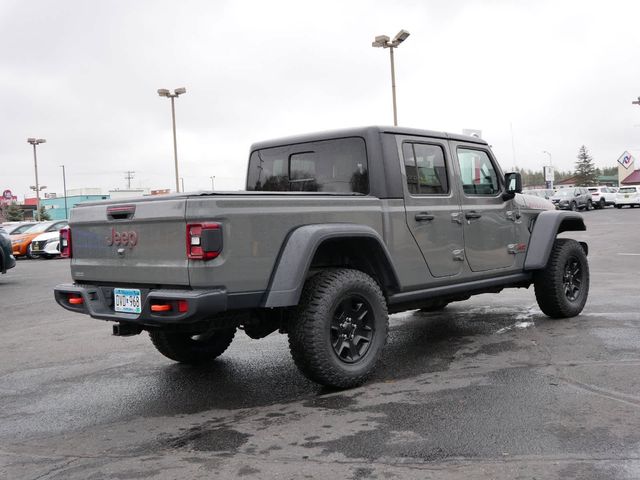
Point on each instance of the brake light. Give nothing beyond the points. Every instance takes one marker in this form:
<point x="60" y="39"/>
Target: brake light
<point x="65" y="242"/>
<point x="204" y="240"/>
<point x="162" y="307"/>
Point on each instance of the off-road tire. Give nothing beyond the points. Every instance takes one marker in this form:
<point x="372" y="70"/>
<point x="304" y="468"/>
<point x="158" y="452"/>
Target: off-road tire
<point x="190" y="349"/>
<point x="319" y="317"/>
<point x="562" y="287"/>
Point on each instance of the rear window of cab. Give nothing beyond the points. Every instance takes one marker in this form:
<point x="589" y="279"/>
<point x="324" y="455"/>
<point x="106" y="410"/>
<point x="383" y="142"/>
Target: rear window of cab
<point x="336" y="165"/>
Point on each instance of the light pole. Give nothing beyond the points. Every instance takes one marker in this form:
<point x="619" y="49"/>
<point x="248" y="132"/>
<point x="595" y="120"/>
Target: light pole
<point x="35" y="142"/>
<point x="64" y="186"/>
<point x="213" y="177"/>
<point x="550" y="182"/>
<point x="383" y="41"/>
<point x="163" y="92"/>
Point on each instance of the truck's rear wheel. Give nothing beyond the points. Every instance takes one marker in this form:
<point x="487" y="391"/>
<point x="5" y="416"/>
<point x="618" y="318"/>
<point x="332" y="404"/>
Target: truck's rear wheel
<point x="192" y="349"/>
<point x="562" y="286"/>
<point x="339" y="328"/>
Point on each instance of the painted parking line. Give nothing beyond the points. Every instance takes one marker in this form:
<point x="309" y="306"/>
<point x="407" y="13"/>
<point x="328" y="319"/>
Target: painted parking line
<point x="630" y="254"/>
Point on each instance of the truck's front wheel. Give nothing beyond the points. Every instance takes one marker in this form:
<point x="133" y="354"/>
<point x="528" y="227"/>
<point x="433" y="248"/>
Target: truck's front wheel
<point x="339" y="328"/>
<point x="192" y="349"/>
<point x="562" y="286"/>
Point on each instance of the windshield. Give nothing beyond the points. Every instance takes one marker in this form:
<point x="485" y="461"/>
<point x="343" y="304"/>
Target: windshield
<point x="627" y="190"/>
<point x="337" y="165"/>
<point x="20" y="228"/>
<point x="38" y="227"/>
<point x="564" y="193"/>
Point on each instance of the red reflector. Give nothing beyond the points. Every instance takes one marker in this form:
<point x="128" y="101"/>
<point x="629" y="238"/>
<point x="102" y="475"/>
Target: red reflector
<point x="183" y="306"/>
<point x="75" y="300"/>
<point x="160" y="308"/>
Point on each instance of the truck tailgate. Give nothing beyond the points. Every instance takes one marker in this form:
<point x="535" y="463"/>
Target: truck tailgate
<point x="142" y="241"/>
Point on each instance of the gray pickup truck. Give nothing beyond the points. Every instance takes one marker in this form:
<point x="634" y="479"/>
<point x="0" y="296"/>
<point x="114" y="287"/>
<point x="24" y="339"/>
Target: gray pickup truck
<point x="334" y="231"/>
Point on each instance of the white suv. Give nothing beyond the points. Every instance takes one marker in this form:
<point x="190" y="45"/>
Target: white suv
<point x="628" y="196"/>
<point x="602" y="196"/>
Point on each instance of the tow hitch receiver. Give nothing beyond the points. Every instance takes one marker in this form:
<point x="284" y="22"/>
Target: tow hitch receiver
<point x="126" y="330"/>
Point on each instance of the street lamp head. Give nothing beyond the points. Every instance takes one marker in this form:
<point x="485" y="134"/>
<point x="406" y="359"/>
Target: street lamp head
<point x="400" y="37"/>
<point x="381" y="41"/>
<point x="180" y="91"/>
<point x="163" y="92"/>
<point x="31" y="140"/>
<point x="41" y="140"/>
<point x="35" y="141"/>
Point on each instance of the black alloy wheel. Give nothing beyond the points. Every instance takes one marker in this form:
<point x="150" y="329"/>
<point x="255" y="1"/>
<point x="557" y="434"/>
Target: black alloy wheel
<point x="572" y="279"/>
<point x="352" y="328"/>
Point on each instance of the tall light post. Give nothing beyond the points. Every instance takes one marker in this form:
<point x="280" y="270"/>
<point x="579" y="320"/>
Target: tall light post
<point x="64" y="186"/>
<point x="383" y="41"/>
<point x="35" y="142"/>
<point x="550" y="182"/>
<point x="163" y="92"/>
<point x="213" y="177"/>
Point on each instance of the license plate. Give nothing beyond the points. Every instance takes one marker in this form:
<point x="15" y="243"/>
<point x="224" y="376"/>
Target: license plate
<point x="626" y="196"/>
<point x="127" y="300"/>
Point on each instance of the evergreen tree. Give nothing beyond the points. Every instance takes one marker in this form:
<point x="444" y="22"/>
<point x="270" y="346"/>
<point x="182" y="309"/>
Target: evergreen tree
<point x="44" y="215"/>
<point x="12" y="213"/>
<point x="586" y="174"/>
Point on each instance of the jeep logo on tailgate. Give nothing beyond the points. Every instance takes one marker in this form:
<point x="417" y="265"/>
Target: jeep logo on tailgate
<point x="122" y="238"/>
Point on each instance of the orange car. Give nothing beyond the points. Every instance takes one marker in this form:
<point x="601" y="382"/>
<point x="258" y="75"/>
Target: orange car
<point x="21" y="244"/>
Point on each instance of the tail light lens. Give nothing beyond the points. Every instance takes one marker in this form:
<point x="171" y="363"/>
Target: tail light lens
<point x="204" y="240"/>
<point x="65" y="242"/>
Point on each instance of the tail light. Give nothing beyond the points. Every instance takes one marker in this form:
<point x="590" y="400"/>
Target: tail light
<point x="204" y="240"/>
<point x="65" y="242"/>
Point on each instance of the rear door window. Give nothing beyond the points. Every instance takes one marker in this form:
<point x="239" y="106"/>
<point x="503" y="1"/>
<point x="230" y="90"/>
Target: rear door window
<point x="425" y="169"/>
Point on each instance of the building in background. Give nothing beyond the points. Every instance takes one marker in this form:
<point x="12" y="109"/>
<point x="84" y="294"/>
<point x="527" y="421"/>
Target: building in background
<point x="54" y="205"/>
<point x="128" y="193"/>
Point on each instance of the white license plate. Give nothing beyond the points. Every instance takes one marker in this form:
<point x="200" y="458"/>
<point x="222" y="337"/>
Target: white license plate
<point x="127" y="300"/>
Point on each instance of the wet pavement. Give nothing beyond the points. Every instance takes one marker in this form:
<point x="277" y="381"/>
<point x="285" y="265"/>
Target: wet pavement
<point x="488" y="388"/>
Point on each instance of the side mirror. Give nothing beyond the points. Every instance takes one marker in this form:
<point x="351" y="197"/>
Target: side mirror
<point x="513" y="182"/>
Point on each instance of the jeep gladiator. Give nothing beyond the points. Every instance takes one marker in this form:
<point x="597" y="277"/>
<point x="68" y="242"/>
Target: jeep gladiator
<point x="334" y="232"/>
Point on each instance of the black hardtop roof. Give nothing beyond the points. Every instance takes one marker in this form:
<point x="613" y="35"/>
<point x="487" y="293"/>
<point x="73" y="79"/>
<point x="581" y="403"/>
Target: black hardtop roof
<point x="363" y="132"/>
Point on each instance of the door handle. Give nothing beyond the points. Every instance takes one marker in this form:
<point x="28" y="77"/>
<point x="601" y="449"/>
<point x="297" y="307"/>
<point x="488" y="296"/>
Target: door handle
<point x="424" y="217"/>
<point x="472" y="214"/>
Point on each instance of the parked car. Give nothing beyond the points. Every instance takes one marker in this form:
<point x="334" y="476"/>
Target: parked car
<point x="602" y="196"/>
<point x="7" y="259"/>
<point x="46" y="245"/>
<point x="573" y="198"/>
<point x="16" y="228"/>
<point x="21" y="244"/>
<point x="539" y="192"/>
<point x="628" y="196"/>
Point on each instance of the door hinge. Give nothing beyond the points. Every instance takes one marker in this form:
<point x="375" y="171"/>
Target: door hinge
<point x="458" y="254"/>
<point x="513" y="216"/>
<point x="515" y="248"/>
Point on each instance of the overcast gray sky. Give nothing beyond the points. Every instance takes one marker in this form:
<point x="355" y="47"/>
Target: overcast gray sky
<point x="84" y="74"/>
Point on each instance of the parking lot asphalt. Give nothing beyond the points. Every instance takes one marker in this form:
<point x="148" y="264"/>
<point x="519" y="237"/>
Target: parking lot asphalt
<point x="489" y="388"/>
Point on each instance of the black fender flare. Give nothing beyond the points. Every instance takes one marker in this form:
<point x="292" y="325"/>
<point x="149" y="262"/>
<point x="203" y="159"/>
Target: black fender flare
<point x="547" y="226"/>
<point x="3" y="263"/>
<point x="293" y="262"/>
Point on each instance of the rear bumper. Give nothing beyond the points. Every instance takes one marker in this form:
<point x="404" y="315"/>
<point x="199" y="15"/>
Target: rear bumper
<point x="98" y="303"/>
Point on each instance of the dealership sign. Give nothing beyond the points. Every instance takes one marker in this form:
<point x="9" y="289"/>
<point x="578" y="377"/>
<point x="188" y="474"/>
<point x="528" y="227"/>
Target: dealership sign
<point x="626" y="160"/>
